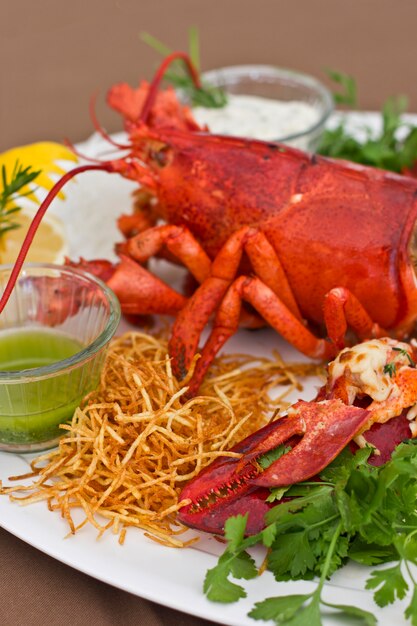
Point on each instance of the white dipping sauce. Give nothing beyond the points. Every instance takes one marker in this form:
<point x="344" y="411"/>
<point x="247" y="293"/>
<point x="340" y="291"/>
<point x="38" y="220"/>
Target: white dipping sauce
<point x="257" y="118"/>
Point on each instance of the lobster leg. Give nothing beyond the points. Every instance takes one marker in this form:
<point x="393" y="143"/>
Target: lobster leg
<point x="270" y="295"/>
<point x="179" y="241"/>
<point x="131" y="225"/>
<point x="342" y="310"/>
<point x="272" y="309"/>
<point x="191" y="321"/>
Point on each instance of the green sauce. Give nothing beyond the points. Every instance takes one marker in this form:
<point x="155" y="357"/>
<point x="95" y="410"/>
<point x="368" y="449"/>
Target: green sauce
<point x="31" y="410"/>
<point x="26" y="349"/>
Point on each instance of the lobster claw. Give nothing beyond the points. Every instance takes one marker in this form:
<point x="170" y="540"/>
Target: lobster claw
<point x="309" y="438"/>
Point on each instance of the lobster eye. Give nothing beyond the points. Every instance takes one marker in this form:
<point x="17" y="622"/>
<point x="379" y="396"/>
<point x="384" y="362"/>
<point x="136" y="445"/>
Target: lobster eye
<point x="161" y="156"/>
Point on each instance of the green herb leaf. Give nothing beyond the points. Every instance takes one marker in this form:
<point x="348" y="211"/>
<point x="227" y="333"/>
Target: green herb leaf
<point x="405" y="353"/>
<point x="234" y="530"/>
<point x="266" y="459"/>
<point x="347" y="95"/>
<point x="292" y="554"/>
<point x="219" y="588"/>
<point x="280" y="513"/>
<point x="208" y="96"/>
<point x="387" y="150"/>
<point x="217" y="585"/>
<point x="390" y="584"/>
<point x="268" y="535"/>
<point x="371" y="553"/>
<point x="411" y="610"/>
<point x="277" y="494"/>
<point x="279" y="609"/>
<point x="9" y="193"/>
<point x="308" y="614"/>
<point x="362" y="512"/>
<point x="390" y="368"/>
<point x="354" y="611"/>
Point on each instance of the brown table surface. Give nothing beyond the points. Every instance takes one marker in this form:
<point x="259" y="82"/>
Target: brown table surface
<point x="56" y="54"/>
<point x="35" y="590"/>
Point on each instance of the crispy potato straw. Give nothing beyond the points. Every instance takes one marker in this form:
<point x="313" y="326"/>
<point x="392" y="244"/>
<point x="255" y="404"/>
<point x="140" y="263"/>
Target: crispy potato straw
<point x="134" y="442"/>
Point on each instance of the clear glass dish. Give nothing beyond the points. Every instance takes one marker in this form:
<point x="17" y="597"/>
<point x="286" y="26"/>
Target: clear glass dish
<point x="54" y="334"/>
<point x="280" y="85"/>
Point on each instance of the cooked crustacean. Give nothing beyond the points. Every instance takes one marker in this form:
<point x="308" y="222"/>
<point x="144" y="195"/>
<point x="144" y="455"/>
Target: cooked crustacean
<point x="305" y="241"/>
<point x="370" y="398"/>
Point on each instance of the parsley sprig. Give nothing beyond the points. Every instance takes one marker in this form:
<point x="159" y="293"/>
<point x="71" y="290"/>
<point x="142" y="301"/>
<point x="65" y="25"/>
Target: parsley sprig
<point x="394" y="148"/>
<point x="359" y="512"/>
<point x="209" y="96"/>
<point x="10" y="190"/>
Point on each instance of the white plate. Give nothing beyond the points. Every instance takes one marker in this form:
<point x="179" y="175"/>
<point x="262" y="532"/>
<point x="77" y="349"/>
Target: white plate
<point x="167" y="576"/>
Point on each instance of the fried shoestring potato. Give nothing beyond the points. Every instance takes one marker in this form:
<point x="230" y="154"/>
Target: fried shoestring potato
<point x="135" y="441"/>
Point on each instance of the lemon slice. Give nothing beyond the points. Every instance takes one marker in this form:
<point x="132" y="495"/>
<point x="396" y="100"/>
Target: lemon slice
<point x="49" y="244"/>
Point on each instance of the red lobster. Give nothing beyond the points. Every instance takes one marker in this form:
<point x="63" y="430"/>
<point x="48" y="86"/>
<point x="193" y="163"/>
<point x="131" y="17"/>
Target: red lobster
<point x="295" y="236"/>
<point x="370" y="395"/>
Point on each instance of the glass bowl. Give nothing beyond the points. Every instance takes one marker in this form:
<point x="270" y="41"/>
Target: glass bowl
<point x="54" y="334"/>
<point x="300" y="126"/>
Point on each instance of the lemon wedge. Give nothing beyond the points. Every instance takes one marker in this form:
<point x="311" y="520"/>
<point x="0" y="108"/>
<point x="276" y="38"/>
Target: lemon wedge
<point x="49" y="244"/>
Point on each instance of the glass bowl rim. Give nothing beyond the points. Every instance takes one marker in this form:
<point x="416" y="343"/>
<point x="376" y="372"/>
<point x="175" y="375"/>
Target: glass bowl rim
<point x="69" y="363"/>
<point x="305" y="80"/>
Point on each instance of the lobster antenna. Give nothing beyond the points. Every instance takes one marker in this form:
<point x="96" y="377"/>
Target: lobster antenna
<point x="79" y="154"/>
<point x="99" y="127"/>
<point x="37" y="220"/>
<point x="153" y="88"/>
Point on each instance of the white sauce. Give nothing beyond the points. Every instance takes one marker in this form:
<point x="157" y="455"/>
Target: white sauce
<point x="258" y="118"/>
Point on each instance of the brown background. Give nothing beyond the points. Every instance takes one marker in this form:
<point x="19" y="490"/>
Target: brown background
<point x="55" y="53"/>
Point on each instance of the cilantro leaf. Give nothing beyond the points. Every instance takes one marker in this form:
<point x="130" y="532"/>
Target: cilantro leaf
<point x="277" y="494"/>
<point x="234" y="530"/>
<point x="407" y="547"/>
<point x="217" y="585"/>
<point x="266" y="459"/>
<point x="292" y="554"/>
<point x="368" y="618"/>
<point x="308" y="614"/>
<point x="361" y="512"/>
<point x="289" y="610"/>
<point x="268" y="535"/>
<point x="219" y="588"/>
<point x="387" y="150"/>
<point x="411" y="610"/>
<point x="339" y="470"/>
<point x="243" y="566"/>
<point x="371" y="553"/>
<point x="390" y="584"/>
<point x="278" y="609"/>
<point x="280" y="512"/>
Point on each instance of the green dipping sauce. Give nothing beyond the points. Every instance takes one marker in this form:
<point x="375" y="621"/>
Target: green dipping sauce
<point x="32" y="407"/>
<point x="27" y="349"/>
